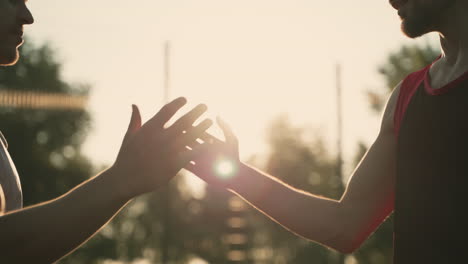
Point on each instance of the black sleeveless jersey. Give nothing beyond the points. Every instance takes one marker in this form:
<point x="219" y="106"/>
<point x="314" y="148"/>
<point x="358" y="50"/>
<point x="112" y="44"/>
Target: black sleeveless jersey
<point x="431" y="206"/>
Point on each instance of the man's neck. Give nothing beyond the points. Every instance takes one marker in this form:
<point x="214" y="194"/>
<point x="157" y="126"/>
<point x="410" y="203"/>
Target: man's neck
<point x="454" y="42"/>
<point x="454" y="37"/>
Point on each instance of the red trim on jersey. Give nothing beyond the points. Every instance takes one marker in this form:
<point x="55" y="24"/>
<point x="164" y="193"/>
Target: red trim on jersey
<point x="409" y="86"/>
<point x="432" y="91"/>
<point x="407" y="89"/>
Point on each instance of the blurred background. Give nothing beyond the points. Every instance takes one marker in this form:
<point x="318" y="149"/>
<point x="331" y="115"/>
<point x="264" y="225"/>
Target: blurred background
<point x="301" y="82"/>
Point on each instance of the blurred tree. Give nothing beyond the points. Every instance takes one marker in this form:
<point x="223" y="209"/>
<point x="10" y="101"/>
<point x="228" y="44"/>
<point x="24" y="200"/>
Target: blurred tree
<point x="44" y="143"/>
<point x="196" y="229"/>
<point x="298" y="157"/>
<point x="378" y="249"/>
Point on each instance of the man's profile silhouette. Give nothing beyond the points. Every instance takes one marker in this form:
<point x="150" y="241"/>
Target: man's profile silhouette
<point x="150" y="155"/>
<point x="417" y="166"/>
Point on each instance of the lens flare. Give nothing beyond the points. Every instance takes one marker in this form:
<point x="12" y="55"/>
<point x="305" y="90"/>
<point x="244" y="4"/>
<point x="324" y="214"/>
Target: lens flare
<point x="225" y="169"/>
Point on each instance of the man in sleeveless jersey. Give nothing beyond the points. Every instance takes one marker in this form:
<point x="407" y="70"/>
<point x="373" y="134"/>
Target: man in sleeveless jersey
<point x="150" y="156"/>
<point x="417" y="167"/>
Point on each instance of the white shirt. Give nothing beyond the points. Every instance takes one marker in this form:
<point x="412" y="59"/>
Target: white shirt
<point x="9" y="179"/>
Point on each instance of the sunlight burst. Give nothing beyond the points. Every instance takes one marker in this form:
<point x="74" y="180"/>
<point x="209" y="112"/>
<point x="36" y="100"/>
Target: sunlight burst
<point x="225" y="169"/>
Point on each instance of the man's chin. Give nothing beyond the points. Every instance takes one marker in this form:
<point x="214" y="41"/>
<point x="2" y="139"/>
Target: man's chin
<point x="413" y="31"/>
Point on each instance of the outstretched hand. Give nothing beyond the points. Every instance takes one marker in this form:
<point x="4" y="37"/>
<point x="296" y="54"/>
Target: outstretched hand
<point x="217" y="161"/>
<point x="152" y="154"/>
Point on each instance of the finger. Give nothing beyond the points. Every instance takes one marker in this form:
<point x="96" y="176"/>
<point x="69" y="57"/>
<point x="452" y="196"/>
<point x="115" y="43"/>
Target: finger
<point x="192" y="134"/>
<point x="193" y="168"/>
<point x="188" y="156"/>
<point x="191" y="145"/>
<point x="135" y="122"/>
<point x="167" y="112"/>
<point x="187" y="120"/>
<point x="231" y="139"/>
<point x="190" y="166"/>
<point x="207" y="137"/>
<point x="134" y="125"/>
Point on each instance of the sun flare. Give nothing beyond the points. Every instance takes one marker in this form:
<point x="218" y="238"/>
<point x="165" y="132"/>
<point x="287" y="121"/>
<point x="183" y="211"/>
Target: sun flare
<point x="225" y="169"/>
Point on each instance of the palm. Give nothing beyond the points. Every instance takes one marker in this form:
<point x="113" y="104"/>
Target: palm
<point x="152" y="154"/>
<point x="218" y="162"/>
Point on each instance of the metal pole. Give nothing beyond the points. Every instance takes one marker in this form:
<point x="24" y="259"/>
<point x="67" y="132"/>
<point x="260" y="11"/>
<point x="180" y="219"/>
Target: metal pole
<point x="339" y="144"/>
<point x="167" y="65"/>
<point x="166" y="236"/>
<point x="339" y="139"/>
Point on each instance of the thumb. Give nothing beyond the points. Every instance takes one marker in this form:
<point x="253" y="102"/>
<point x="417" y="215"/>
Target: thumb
<point x="135" y="121"/>
<point x="188" y="156"/>
<point x="135" y="124"/>
<point x="231" y="139"/>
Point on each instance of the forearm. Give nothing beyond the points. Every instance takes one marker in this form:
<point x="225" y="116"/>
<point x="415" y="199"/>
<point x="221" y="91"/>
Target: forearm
<point x="46" y="232"/>
<point x="315" y="218"/>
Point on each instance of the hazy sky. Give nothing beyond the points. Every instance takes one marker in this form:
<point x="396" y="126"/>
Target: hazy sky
<point x="249" y="60"/>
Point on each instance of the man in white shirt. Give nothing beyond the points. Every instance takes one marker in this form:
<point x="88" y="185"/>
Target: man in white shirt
<point x="150" y="156"/>
<point x="9" y="179"/>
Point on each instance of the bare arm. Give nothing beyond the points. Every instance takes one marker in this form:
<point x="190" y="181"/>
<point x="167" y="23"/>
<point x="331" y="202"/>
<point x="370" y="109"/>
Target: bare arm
<point x="342" y="225"/>
<point x="46" y="232"/>
<point x="149" y="157"/>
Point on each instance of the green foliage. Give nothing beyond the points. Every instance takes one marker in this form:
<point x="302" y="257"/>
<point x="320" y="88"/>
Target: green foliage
<point x="45" y="144"/>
